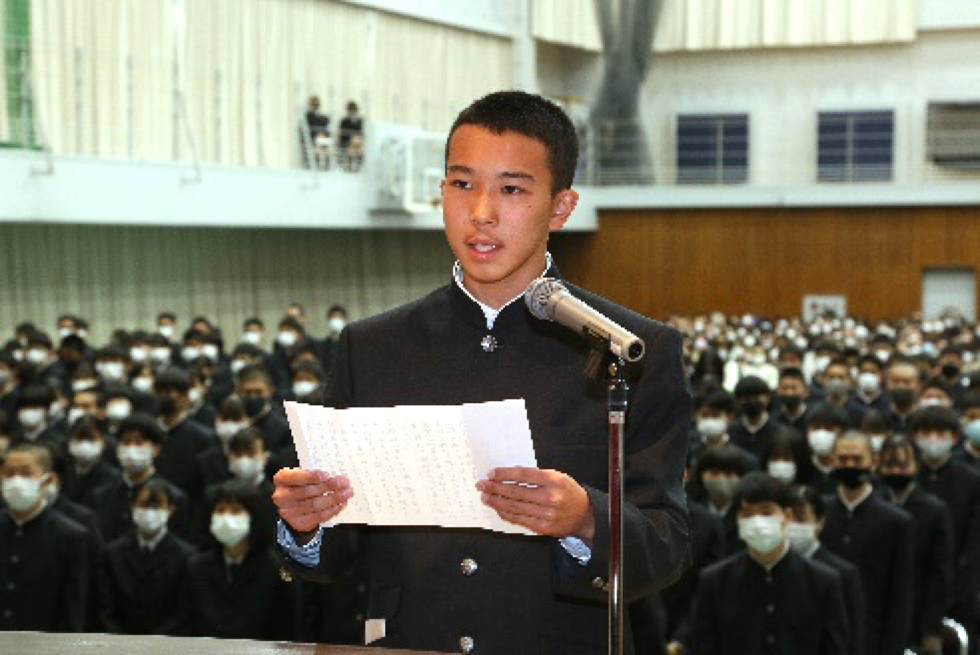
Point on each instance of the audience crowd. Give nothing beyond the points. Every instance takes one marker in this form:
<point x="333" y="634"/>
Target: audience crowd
<point x="317" y="146"/>
<point x="833" y="485"/>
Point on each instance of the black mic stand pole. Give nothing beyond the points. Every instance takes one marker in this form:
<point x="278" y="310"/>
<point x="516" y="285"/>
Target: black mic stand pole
<point x="616" y="403"/>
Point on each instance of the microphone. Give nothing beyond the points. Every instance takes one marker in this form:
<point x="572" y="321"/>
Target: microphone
<point x="549" y="300"/>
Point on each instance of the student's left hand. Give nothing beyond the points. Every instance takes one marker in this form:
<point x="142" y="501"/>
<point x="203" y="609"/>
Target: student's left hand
<point x="545" y="501"/>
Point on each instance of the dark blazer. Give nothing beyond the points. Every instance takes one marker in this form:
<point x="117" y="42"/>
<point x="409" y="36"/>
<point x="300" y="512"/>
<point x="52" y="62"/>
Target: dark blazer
<point x="139" y="594"/>
<point x="429" y="352"/>
<point x="853" y="594"/>
<point x="932" y="582"/>
<point x="178" y="455"/>
<point x="44" y="580"/>
<point x="797" y="608"/>
<point x="877" y="538"/>
<point x="113" y="503"/>
<point x="958" y="485"/>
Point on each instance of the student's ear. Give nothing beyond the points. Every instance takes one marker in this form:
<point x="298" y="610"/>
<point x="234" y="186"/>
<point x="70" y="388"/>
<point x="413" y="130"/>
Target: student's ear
<point x="562" y="206"/>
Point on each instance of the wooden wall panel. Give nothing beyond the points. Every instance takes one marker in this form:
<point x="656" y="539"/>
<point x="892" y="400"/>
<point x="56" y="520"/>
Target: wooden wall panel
<point x="685" y="261"/>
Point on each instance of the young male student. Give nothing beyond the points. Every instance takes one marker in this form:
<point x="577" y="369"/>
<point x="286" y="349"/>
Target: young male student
<point x="45" y="575"/>
<point x="509" y="167"/>
<point x="769" y="599"/>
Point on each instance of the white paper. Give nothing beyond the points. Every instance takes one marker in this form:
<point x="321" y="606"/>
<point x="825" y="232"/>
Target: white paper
<point x="415" y="465"/>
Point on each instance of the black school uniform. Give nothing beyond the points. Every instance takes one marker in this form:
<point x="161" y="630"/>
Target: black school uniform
<point x="756" y="442"/>
<point x="45" y="573"/>
<point x="78" y="486"/>
<point x="958" y="485"/>
<point x="795" y="608"/>
<point x="113" y="504"/>
<point x="212" y="466"/>
<point x="707" y="547"/>
<point x="853" y="594"/>
<point x="140" y="587"/>
<point x="178" y="455"/>
<point x="238" y="601"/>
<point x="877" y="538"/>
<point x="932" y="583"/>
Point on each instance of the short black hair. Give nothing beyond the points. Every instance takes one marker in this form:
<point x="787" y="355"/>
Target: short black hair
<point x="290" y="322"/>
<point x="792" y="372"/>
<point x="144" y="424"/>
<point x="170" y="316"/>
<point x="828" y="414"/>
<point x="751" y="385"/>
<point x="233" y="491"/>
<point x="532" y="116"/>
<point x="895" y="443"/>
<point x="727" y="458"/>
<point x="934" y="417"/>
<point x="173" y="378"/>
<point x="758" y="487"/>
<point x="155" y="489"/>
<point x="807" y="495"/>
<point x="254" y="320"/>
<point x="245" y="440"/>
<point x="970" y="400"/>
<point x="255" y="372"/>
<point x="36" y="395"/>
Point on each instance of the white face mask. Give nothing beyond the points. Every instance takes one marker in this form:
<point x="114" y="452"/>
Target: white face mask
<point x="111" y="371"/>
<point x="84" y="384"/>
<point x="934" y="449"/>
<point x="149" y="521"/>
<point x="166" y="330"/>
<point x="713" y="426"/>
<point x="802" y="536"/>
<point x="286" y="339"/>
<point x="36" y="355"/>
<point x="85" y="451"/>
<point x="821" y="441"/>
<point x="877" y="441"/>
<point x="210" y="351"/>
<point x="762" y="534"/>
<point x="143" y="383"/>
<point x="252" y="337"/>
<point x="336" y="324"/>
<point x="190" y="353"/>
<point x="869" y="382"/>
<point x="21" y="493"/>
<point x="228" y="429"/>
<point x="304" y="387"/>
<point x="117" y="410"/>
<point x="230" y="529"/>
<point x="195" y="394"/>
<point x="720" y="490"/>
<point x="74" y="414"/>
<point x="160" y="355"/>
<point x="135" y="459"/>
<point x="139" y="355"/>
<point x="782" y="470"/>
<point x="247" y="469"/>
<point x="237" y="365"/>
<point x="31" y="417"/>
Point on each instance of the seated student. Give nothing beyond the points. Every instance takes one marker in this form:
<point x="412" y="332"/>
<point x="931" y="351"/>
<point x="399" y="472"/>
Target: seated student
<point x="935" y="392"/>
<point x="119" y="402"/>
<point x="935" y="431"/>
<point x="768" y="599"/>
<point x="233" y="589"/>
<point x="877" y="428"/>
<point x="932" y="580"/>
<point x="33" y="418"/>
<point x="143" y="570"/>
<point x="968" y="450"/>
<point x="308" y="383"/>
<point x="213" y="462"/>
<point x="826" y="422"/>
<point x="46" y="556"/>
<point x="837" y="388"/>
<point x="9" y="385"/>
<point x="257" y="393"/>
<point x="903" y="383"/>
<point x="875" y="536"/>
<point x="713" y="416"/>
<point x="803" y="531"/>
<point x="792" y="395"/>
<point x="87" y="467"/>
<point x="140" y="437"/>
<point x="199" y="408"/>
<point x="868" y="392"/>
<point x="183" y="438"/>
<point x="716" y="475"/>
<point x="755" y="427"/>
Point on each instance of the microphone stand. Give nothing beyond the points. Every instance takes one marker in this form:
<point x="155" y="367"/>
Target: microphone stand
<point x="616" y="403"/>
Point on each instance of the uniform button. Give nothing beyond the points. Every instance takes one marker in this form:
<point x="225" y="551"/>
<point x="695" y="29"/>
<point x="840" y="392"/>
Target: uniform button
<point x="488" y="343"/>
<point x="7" y="614"/>
<point x="15" y="559"/>
<point x="11" y="586"/>
<point x="847" y="538"/>
<point x="468" y="566"/>
<point x="771" y="639"/>
<point x="599" y="583"/>
<point x="466" y="644"/>
<point x="358" y="617"/>
<point x="770" y="609"/>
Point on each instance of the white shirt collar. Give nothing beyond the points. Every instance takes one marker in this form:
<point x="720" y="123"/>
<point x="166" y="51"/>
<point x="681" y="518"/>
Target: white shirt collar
<point x="151" y="544"/>
<point x="489" y="312"/>
<point x="851" y="506"/>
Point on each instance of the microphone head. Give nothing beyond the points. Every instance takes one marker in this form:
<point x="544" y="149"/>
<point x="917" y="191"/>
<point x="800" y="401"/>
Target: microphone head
<point x="538" y="293"/>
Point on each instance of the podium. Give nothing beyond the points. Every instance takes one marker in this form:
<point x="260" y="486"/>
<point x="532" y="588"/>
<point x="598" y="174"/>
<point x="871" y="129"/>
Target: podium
<point x="46" y="643"/>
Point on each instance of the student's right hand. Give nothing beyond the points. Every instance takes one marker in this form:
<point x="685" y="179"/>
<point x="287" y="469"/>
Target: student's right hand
<point x="306" y="499"/>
